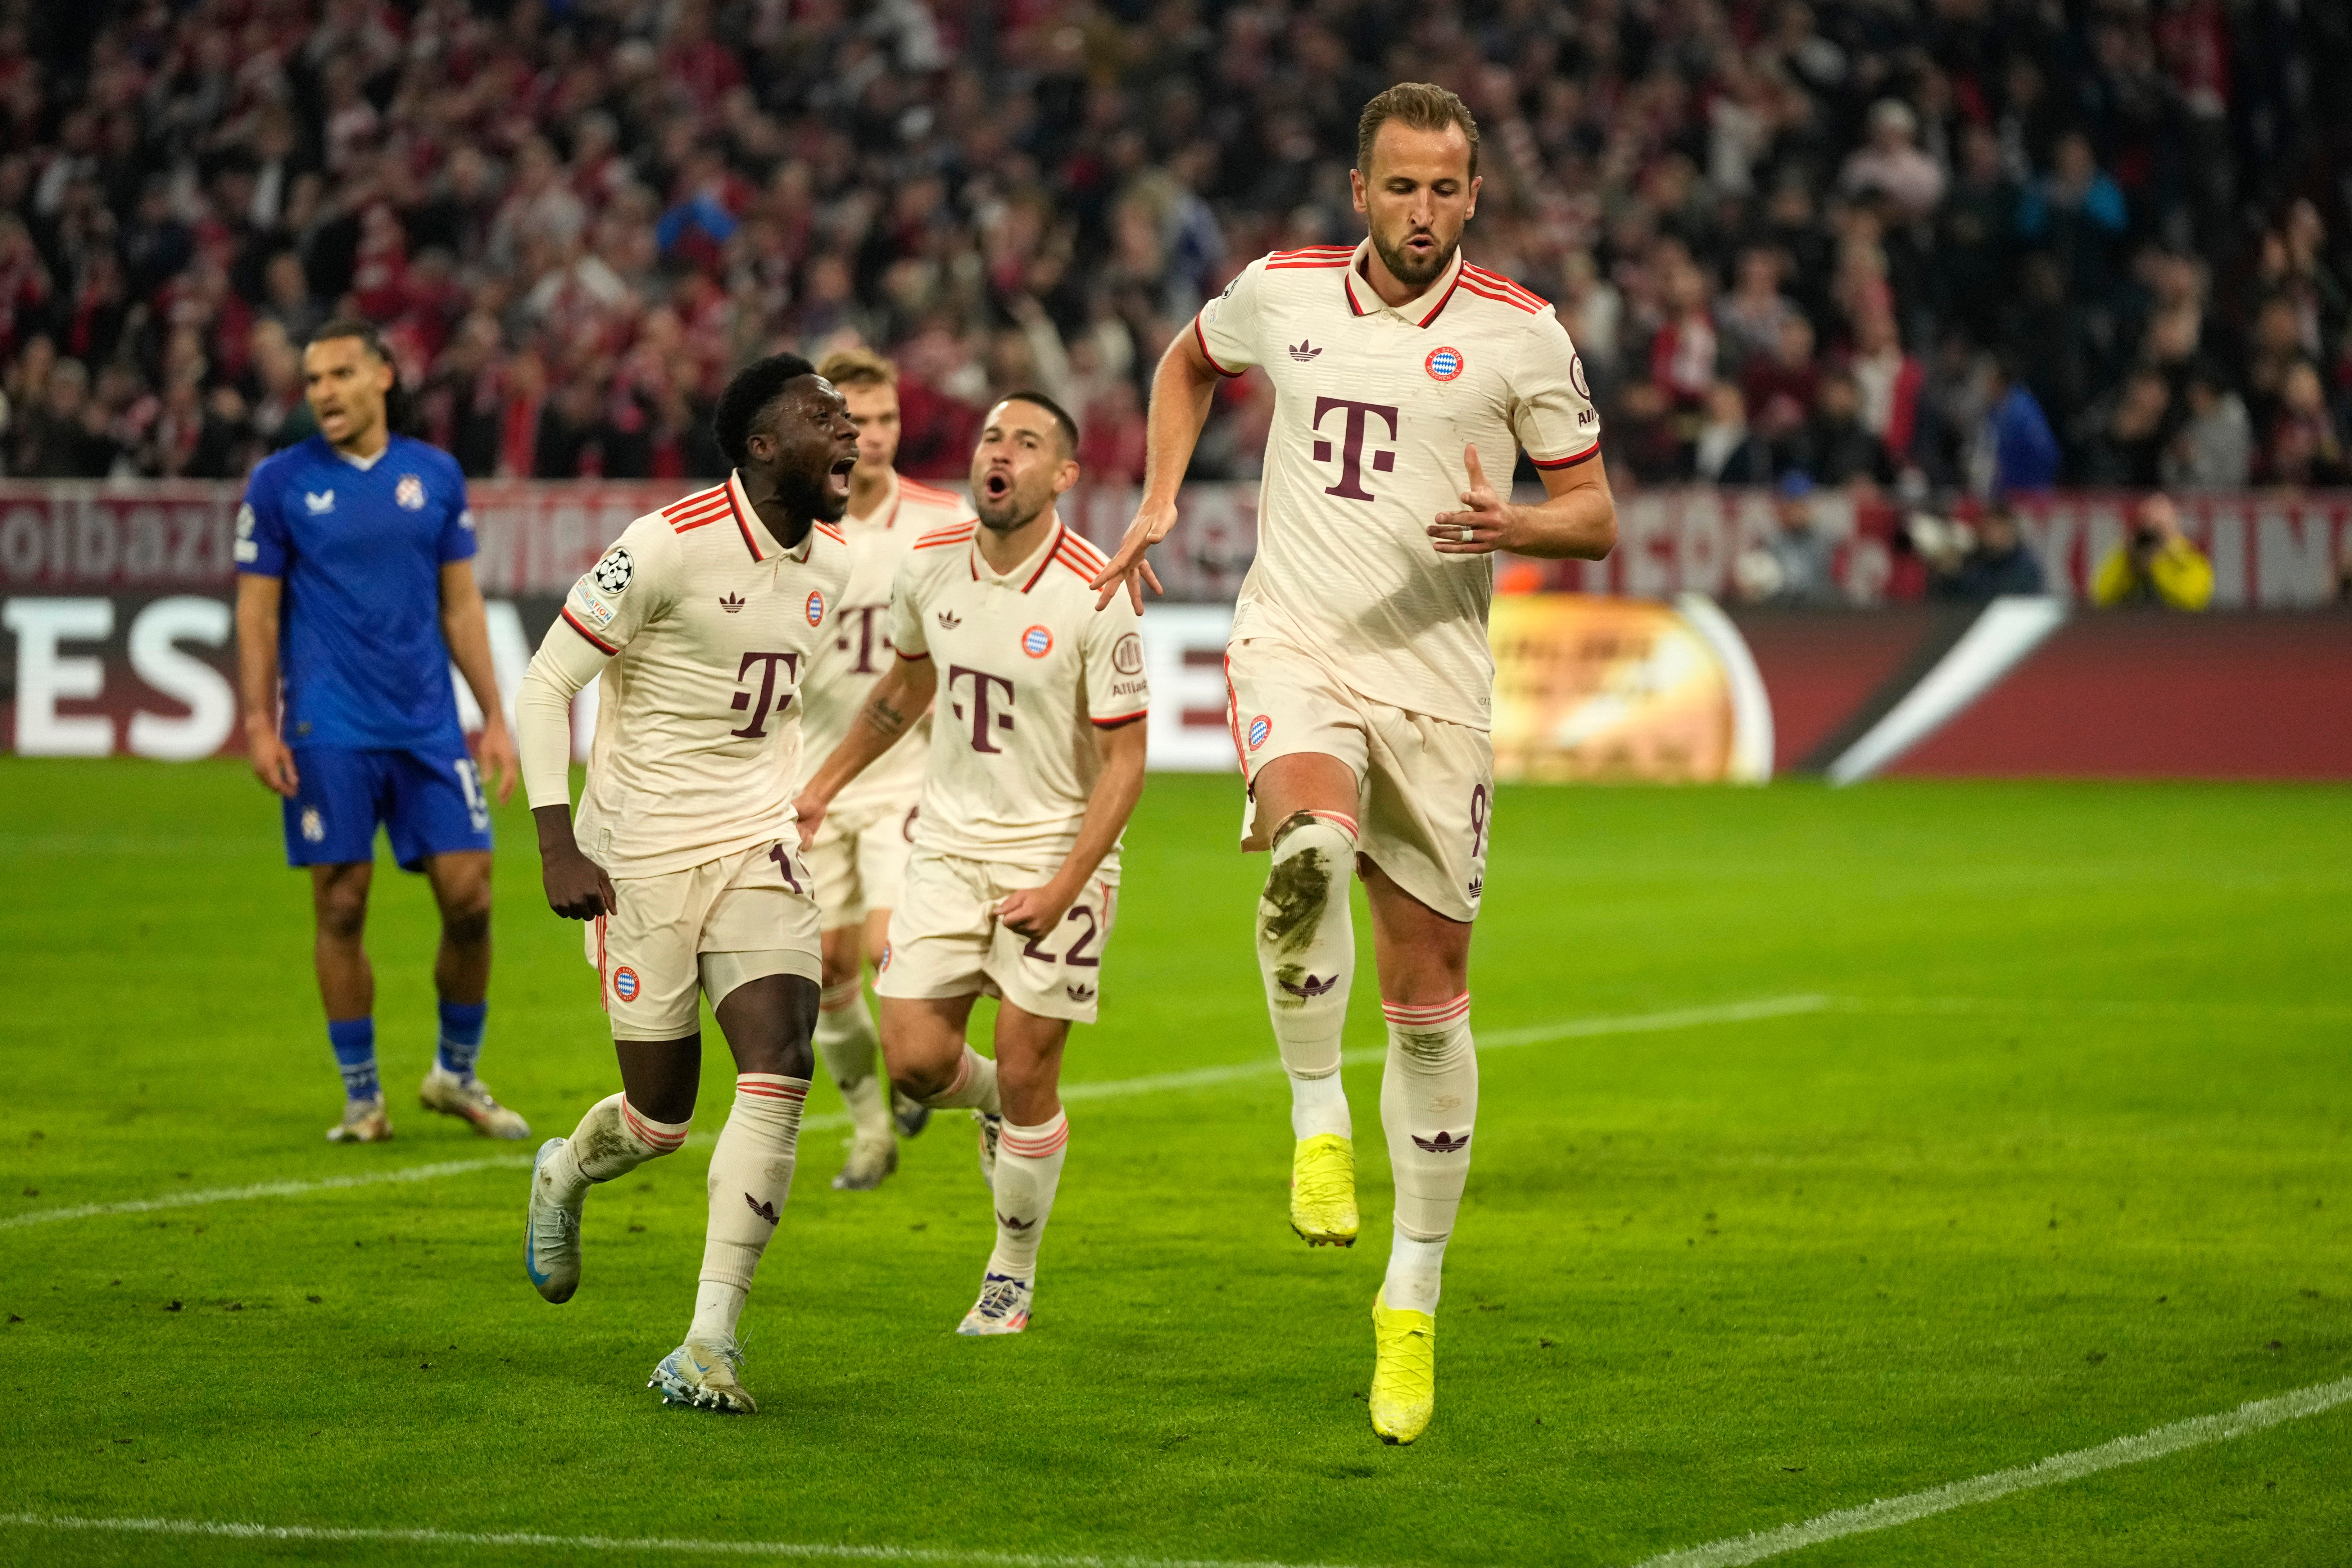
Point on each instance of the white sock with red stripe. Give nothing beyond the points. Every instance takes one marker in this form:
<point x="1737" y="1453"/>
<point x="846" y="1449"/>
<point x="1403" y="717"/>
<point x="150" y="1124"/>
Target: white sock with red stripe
<point x="614" y="1139"/>
<point x="1429" y="1102"/>
<point x="1306" y="952"/>
<point x="751" y="1177"/>
<point x="974" y="1088"/>
<point x="844" y="1043"/>
<point x="1028" y="1169"/>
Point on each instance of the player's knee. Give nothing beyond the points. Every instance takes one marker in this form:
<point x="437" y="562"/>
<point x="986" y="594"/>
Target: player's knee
<point x="1311" y="857"/>
<point x="466" y="923"/>
<point x="341" y="906"/>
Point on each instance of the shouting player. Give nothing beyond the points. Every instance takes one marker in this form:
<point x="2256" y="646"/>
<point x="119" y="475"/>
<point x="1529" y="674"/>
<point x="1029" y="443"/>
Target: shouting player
<point x="1037" y="762"/>
<point x="860" y="855"/>
<point x="355" y="553"/>
<point x="1358" y="670"/>
<point x="702" y="621"/>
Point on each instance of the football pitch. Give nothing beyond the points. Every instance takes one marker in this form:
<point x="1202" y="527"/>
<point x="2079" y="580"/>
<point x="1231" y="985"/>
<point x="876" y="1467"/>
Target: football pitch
<point x="1834" y="1147"/>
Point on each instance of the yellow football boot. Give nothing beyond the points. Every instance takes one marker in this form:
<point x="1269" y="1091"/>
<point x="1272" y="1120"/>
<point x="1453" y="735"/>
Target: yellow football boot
<point x="1323" y="1191"/>
<point x="1404" y="1373"/>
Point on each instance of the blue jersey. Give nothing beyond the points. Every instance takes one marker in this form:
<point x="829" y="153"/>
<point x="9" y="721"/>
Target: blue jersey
<point x="360" y="551"/>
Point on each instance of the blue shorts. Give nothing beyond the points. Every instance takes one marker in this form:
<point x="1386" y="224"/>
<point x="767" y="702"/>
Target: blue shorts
<point x="429" y="802"/>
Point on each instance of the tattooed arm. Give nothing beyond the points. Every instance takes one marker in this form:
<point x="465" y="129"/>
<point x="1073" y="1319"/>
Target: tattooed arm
<point x="900" y="697"/>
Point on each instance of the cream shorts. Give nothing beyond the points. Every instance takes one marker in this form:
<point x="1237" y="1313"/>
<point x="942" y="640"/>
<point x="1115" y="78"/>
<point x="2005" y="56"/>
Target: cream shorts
<point x="709" y="928"/>
<point x="1425" y="787"/>
<point x="945" y="940"/>
<point x="859" y="860"/>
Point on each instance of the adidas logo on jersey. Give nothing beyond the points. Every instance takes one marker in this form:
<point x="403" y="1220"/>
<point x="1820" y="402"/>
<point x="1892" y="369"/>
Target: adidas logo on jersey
<point x="1443" y="1143"/>
<point x="1302" y="351"/>
<point x="949" y="620"/>
<point x="732" y="604"/>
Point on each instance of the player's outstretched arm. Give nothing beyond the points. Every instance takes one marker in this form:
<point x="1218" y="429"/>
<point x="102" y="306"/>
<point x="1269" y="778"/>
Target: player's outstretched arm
<point x="466" y="628"/>
<point x="1577" y="520"/>
<point x="902" y="696"/>
<point x="1035" y="911"/>
<point x="577" y="888"/>
<point x="1181" y="390"/>
<point x="258" y="601"/>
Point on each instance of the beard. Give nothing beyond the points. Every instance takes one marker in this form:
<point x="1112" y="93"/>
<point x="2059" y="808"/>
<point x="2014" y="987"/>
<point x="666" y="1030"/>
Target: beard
<point x="805" y="494"/>
<point x="1017" y="510"/>
<point x="1413" y="273"/>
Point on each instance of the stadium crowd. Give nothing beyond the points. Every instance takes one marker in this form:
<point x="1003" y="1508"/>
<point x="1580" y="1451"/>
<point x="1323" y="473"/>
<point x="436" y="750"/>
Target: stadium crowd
<point x="1922" y="245"/>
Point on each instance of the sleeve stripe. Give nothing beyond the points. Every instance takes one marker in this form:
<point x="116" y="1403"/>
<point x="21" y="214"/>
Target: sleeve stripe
<point x="1586" y="455"/>
<point x="573" y="622"/>
<point x="1122" y="719"/>
<point x="902" y="653"/>
<point x="1202" y="339"/>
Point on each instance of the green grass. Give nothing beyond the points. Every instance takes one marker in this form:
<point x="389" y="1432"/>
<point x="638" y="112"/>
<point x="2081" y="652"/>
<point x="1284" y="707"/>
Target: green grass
<point x="2069" y="1156"/>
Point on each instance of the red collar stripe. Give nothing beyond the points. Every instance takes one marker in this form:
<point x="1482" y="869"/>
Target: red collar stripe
<point x="1440" y="304"/>
<point x="1060" y="532"/>
<point x="743" y="524"/>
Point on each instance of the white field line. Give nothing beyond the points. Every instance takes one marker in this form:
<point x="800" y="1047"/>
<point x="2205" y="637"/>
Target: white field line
<point x="2316" y="1012"/>
<point x="2254" y="1415"/>
<point x="821" y="1552"/>
<point x="1115" y="1089"/>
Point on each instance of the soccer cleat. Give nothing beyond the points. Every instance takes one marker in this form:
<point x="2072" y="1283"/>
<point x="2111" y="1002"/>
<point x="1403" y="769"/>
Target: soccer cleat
<point x="1404" y="1371"/>
<point x="550" y="1236"/>
<point x="990" y="1128"/>
<point x="702" y="1376"/>
<point x="446" y="1093"/>
<point x="913" y="1116"/>
<point x="363" y="1123"/>
<point x="866" y="1165"/>
<point x="1003" y="1306"/>
<point x="1323" y="1191"/>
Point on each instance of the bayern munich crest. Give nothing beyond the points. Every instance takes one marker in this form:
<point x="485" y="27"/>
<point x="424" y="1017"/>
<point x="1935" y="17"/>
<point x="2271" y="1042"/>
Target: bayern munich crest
<point x="1259" y="729"/>
<point x="1037" y="642"/>
<point x="816" y="607"/>
<point x="625" y="983"/>
<point x="1442" y="364"/>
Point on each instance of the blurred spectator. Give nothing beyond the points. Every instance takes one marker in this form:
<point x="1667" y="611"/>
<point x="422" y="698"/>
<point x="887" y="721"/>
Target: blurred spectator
<point x="2016" y="450"/>
<point x="585" y="215"/>
<point x="63" y="437"/>
<point x="2127" y="449"/>
<point x="2214" y="448"/>
<point x="1727" y="452"/>
<point x="1834" y="446"/>
<point x="1797" y="566"/>
<point x="2155" y="565"/>
<point x="1997" y="562"/>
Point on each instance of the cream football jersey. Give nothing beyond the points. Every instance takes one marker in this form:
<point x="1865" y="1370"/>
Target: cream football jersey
<point x="1373" y="405"/>
<point x="710" y="625"/>
<point x="1028" y="670"/>
<point x="859" y="652"/>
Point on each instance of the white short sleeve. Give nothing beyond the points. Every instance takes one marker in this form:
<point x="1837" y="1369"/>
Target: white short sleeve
<point x="1112" y="647"/>
<point x="1551" y="403"/>
<point x="628" y="588"/>
<point x="1226" y="328"/>
<point x="906" y="608"/>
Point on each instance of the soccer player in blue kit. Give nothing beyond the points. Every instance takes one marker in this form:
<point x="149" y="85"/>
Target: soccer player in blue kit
<point x="356" y="582"/>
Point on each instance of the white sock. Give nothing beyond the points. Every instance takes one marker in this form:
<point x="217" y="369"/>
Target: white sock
<point x="1429" y="1103"/>
<point x="845" y="1043"/>
<point x="1028" y="1169"/>
<point x="614" y="1139"/>
<point x="750" y="1178"/>
<point x="1414" y="1267"/>
<point x="974" y="1088"/>
<point x="1307" y="954"/>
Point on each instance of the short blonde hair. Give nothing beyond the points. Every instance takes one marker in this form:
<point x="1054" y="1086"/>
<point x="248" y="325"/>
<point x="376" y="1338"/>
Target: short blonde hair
<point x="858" y="367"/>
<point x="1424" y="106"/>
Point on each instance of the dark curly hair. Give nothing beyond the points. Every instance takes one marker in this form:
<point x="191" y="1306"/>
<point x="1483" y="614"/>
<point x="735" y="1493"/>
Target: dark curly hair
<point x="748" y="398"/>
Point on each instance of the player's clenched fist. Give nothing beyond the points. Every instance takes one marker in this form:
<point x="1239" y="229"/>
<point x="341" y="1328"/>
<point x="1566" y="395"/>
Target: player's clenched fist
<point x="1483" y="526"/>
<point x="577" y="888"/>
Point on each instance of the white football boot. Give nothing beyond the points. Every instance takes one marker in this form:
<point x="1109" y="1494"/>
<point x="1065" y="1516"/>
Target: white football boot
<point x="1003" y="1306"/>
<point x="363" y="1123"/>
<point x="465" y="1098"/>
<point x="703" y="1377"/>
<point x="868" y="1164"/>
<point x="550" y="1235"/>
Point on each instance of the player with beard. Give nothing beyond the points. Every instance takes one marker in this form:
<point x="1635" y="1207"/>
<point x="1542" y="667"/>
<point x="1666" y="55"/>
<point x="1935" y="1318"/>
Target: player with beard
<point x="1036" y="763"/>
<point x="860" y="858"/>
<point x="701" y="621"/>
<point x="1358" y="671"/>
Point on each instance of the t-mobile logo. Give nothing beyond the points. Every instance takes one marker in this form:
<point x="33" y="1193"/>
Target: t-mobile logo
<point x="858" y="634"/>
<point x="1351" y="445"/>
<point x="767" y="662"/>
<point x="984" y="718"/>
